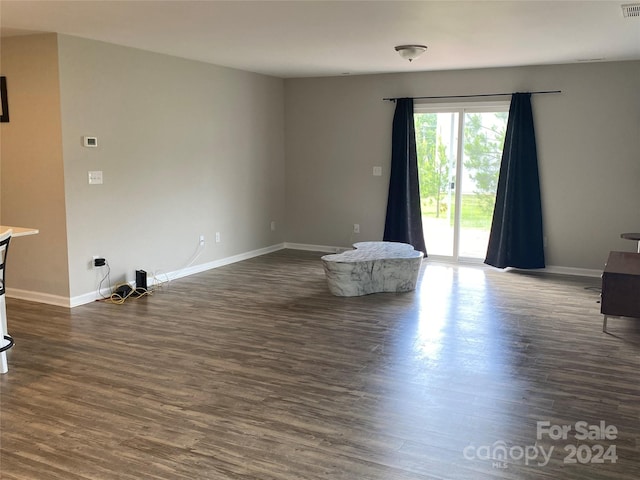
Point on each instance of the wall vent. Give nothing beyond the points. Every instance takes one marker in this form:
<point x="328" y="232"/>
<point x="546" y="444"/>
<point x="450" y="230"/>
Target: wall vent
<point x="631" y="10"/>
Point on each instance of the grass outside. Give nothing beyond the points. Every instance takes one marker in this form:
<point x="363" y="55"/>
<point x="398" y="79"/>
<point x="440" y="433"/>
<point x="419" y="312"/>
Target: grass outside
<point x="477" y="210"/>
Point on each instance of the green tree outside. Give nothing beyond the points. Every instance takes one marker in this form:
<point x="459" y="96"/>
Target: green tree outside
<point x="483" y="144"/>
<point x="433" y="164"/>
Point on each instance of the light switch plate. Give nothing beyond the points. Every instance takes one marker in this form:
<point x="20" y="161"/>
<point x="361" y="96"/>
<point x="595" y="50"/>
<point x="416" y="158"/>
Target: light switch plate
<point x="377" y="171"/>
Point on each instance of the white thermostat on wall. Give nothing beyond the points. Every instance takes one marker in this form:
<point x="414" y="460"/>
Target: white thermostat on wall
<point x="90" y="141"/>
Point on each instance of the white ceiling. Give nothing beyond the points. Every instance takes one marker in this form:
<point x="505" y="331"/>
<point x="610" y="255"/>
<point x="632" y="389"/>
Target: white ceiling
<point x="325" y="38"/>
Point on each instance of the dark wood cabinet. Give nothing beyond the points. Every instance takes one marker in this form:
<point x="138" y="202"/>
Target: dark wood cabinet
<point x="621" y="286"/>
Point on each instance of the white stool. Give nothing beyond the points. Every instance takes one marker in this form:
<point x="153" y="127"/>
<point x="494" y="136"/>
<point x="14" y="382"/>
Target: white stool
<point x="6" y="342"/>
<point x="632" y="236"/>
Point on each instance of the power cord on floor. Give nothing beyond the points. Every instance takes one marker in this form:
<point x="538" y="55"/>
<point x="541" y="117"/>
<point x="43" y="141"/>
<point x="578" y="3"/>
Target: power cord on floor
<point x="106" y="276"/>
<point x="159" y="283"/>
<point x="122" y="291"/>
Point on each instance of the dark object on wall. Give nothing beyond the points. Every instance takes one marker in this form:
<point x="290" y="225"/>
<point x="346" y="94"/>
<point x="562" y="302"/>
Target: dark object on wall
<point x="4" y="115"/>
<point x="516" y="237"/>
<point x="404" y="218"/>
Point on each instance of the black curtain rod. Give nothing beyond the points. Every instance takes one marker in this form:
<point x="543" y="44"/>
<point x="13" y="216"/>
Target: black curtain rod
<point x="393" y="99"/>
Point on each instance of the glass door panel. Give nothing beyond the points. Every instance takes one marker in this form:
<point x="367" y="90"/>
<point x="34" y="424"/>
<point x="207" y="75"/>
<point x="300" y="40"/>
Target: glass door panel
<point x="436" y="142"/>
<point x="483" y="142"/>
<point x="459" y="175"/>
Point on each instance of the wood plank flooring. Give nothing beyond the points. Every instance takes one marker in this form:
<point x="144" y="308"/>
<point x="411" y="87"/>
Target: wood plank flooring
<point x="255" y="371"/>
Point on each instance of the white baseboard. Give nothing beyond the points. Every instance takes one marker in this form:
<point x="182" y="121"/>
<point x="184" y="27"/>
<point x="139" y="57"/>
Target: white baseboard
<point x="89" y="297"/>
<point x="203" y="267"/>
<point x="38" y="297"/>
<point x="94" y="295"/>
<point x="580" y="272"/>
<point x="315" y="248"/>
<point x="554" y="269"/>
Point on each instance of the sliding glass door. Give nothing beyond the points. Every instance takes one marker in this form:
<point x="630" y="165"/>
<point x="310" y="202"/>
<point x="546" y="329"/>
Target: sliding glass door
<point x="459" y="151"/>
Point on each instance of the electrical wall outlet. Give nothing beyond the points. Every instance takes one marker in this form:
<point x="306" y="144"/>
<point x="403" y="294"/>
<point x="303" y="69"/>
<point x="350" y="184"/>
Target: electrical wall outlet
<point x="217" y="237"/>
<point x="90" y="141"/>
<point x="356" y="228"/>
<point x="273" y="225"/>
<point x="97" y="261"/>
<point x="201" y="240"/>
<point x="95" y="177"/>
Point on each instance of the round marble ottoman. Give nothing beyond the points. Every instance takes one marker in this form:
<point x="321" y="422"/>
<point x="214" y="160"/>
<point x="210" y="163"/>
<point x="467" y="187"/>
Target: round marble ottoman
<point x="373" y="267"/>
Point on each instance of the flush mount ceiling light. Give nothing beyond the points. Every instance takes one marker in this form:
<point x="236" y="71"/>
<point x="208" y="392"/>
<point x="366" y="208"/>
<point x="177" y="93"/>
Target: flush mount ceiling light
<point x="411" y="52"/>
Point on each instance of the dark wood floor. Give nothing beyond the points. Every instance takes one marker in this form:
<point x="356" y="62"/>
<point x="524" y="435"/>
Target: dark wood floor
<point x="254" y="371"/>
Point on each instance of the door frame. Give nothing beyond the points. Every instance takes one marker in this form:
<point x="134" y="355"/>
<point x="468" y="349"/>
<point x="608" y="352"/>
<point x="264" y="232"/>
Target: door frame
<point x="461" y="108"/>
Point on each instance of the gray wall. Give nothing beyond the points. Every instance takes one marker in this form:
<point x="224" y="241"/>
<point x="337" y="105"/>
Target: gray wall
<point x="191" y="149"/>
<point x="337" y="129"/>
<point x="186" y="149"/>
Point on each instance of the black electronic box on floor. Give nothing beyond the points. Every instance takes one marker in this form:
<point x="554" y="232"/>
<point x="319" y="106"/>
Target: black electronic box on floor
<point x="141" y="282"/>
